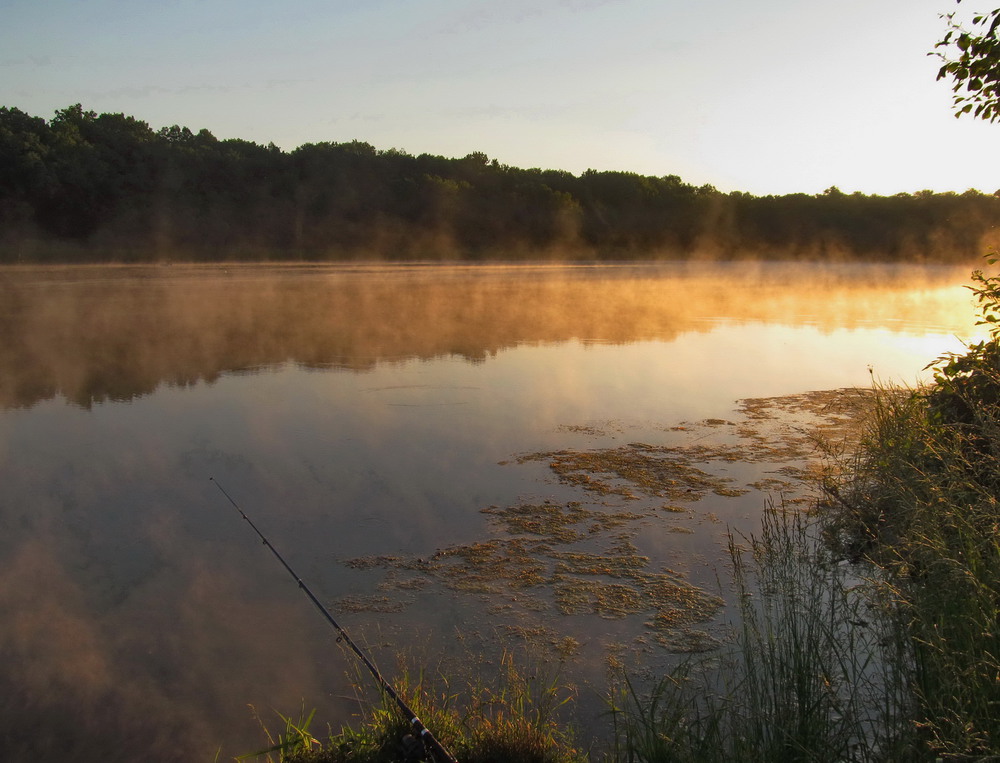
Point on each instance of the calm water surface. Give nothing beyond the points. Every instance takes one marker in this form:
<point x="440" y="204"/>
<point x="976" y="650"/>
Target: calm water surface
<point x="364" y="417"/>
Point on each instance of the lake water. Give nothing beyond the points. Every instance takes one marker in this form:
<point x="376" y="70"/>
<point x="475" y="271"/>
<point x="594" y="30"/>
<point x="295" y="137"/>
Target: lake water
<point x="454" y="459"/>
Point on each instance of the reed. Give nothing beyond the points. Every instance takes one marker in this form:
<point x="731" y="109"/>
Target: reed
<point x="810" y="673"/>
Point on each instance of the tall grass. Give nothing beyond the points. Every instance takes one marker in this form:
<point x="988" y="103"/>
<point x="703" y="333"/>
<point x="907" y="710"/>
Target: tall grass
<point x="296" y="738"/>
<point x="509" y="717"/>
<point x="811" y="674"/>
<point x="923" y="507"/>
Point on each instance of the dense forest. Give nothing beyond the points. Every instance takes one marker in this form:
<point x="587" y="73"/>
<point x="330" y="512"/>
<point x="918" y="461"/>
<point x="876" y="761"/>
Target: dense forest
<point x="84" y="186"/>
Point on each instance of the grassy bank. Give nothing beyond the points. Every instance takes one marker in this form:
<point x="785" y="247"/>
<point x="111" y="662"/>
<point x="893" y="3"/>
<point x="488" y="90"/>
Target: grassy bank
<point x="868" y="629"/>
<point x="510" y="715"/>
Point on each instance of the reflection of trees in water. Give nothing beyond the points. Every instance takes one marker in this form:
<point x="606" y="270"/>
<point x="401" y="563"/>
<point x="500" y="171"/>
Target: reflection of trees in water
<point x="93" y="334"/>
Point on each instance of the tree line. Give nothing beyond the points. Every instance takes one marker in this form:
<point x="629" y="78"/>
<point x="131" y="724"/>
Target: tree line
<point x="84" y="186"/>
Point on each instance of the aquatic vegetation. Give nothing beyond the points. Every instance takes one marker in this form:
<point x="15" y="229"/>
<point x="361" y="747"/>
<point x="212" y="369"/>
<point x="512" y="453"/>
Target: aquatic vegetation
<point x="491" y="566"/>
<point x="356" y="603"/>
<point x="659" y="471"/>
<point x="611" y="600"/>
<point x="393" y="582"/>
<point x="681" y="638"/>
<point x="809" y="673"/>
<point x="621" y="560"/>
<point x="556" y="522"/>
<point x="578" y="558"/>
<point x="612" y="584"/>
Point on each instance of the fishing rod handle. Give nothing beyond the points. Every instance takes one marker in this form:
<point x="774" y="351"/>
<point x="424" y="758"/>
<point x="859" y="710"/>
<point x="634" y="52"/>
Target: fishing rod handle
<point x="438" y="750"/>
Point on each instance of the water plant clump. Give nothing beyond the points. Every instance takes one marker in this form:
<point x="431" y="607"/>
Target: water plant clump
<point x="807" y="674"/>
<point x="659" y="471"/>
<point x="558" y="523"/>
<point x="577" y="558"/>
<point x="618" y="584"/>
<point x="541" y="576"/>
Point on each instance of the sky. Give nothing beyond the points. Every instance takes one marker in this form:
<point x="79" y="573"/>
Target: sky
<point x="766" y="97"/>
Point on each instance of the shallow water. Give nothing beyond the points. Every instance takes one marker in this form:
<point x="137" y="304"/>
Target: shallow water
<point x="365" y="417"/>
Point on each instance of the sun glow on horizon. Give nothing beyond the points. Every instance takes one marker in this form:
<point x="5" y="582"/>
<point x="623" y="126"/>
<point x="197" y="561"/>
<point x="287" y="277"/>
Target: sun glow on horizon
<point x="817" y="96"/>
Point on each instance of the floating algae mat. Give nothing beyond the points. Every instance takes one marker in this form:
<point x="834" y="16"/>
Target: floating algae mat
<point x="654" y="471"/>
<point x="559" y="523"/>
<point x="549" y="558"/>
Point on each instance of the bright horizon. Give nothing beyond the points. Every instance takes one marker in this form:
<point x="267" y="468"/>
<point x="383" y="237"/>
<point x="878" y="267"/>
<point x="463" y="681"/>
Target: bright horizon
<point x="781" y="96"/>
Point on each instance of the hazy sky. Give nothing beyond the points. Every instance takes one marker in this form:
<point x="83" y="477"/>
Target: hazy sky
<point x="772" y="96"/>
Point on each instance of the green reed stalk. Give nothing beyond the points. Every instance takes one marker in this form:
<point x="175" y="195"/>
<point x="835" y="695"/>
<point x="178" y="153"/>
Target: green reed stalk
<point x="810" y="675"/>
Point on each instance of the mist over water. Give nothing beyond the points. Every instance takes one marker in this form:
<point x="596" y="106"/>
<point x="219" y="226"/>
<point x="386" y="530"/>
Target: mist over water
<point x="360" y="411"/>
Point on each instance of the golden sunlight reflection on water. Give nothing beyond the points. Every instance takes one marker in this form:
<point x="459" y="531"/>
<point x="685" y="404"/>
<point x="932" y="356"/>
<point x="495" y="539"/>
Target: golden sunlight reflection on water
<point x="365" y="412"/>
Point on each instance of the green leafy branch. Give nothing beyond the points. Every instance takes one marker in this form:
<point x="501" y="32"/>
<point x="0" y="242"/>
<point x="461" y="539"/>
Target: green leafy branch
<point x="971" y="59"/>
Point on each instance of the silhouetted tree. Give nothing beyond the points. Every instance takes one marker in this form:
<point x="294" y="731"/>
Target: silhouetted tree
<point x="114" y="188"/>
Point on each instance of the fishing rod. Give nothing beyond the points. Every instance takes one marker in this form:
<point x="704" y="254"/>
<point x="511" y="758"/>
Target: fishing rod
<point x="437" y="750"/>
